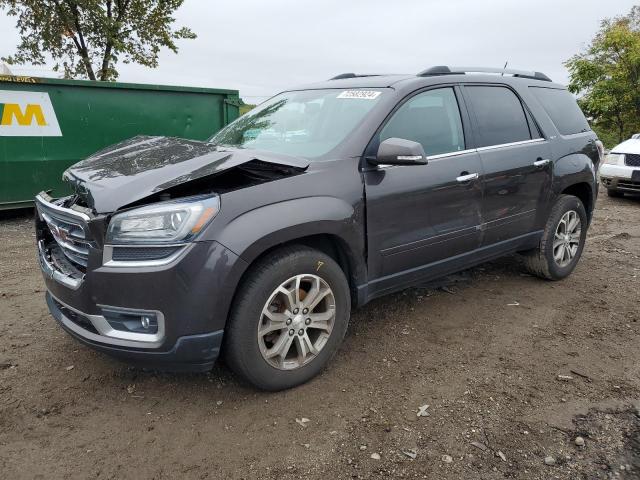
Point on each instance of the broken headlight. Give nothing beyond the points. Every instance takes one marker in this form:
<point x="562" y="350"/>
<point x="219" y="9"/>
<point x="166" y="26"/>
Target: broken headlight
<point x="175" y="221"/>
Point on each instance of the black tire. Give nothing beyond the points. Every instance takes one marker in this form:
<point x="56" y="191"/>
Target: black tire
<point x="241" y="350"/>
<point x="612" y="192"/>
<point x="540" y="261"/>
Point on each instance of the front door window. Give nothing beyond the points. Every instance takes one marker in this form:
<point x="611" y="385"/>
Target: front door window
<point x="432" y="119"/>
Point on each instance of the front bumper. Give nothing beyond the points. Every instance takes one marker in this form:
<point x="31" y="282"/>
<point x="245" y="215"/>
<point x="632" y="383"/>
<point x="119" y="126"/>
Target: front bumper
<point x="189" y="298"/>
<point x="620" y="177"/>
<point x="195" y="353"/>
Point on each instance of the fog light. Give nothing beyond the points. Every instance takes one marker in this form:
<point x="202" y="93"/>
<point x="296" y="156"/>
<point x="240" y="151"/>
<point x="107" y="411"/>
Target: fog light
<point x="130" y="321"/>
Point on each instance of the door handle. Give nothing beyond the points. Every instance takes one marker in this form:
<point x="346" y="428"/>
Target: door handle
<point x="539" y="163"/>
<point x="467" y="177"/>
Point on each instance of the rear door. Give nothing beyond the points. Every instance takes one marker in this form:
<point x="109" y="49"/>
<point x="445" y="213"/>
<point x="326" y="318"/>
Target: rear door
<point x="418" y="216"/>
<point x="516" y="160"/>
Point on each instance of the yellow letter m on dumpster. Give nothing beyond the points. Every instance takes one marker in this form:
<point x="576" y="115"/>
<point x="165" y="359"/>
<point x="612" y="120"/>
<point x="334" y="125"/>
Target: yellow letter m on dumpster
<point x="27" y="114"/>
<point x="12" y="114"/>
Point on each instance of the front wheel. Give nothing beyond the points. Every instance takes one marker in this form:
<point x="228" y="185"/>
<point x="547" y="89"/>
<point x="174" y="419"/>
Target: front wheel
<point x="612" y="192"/>
<point x="288" y="319"/>
<point x="562" y="241"/>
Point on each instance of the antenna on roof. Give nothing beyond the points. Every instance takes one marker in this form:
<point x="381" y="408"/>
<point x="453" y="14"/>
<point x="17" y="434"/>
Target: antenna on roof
<point x="505" y="67"/>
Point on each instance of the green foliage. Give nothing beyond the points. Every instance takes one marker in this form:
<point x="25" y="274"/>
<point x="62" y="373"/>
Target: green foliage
<point x="87" y="38"/>
<point x="246" y="107"/>
<point x="610" y="137"/>
<point x="607" y="78"/>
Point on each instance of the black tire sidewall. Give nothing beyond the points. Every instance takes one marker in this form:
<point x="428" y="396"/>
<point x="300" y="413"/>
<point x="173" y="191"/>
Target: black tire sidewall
<point x="564" y="204"/>
<point x="242" y="350"/>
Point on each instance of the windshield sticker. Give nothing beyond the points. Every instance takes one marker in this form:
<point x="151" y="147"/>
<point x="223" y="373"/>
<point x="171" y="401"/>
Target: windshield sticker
<point x="362" y="94"/>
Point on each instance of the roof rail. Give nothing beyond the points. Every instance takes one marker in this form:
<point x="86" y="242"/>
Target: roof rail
<point x="343" y="75"/>
<point x="354" y="75"/>
<point x="445" y="70"/>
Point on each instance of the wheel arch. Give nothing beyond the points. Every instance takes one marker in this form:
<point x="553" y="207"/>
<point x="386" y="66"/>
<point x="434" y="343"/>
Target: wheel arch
<point x="584" y="192"/>
<point x="328" y="224"/>
<point x="575" y="175"/>
<point x="330" y="244"/>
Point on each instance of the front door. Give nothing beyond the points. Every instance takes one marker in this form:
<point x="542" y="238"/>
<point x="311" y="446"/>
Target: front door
<point x="516" y="161"/>
<point x="420" y="216"/>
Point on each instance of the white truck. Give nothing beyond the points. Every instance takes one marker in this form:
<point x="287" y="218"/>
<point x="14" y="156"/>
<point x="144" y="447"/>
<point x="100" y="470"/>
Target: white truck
<point x="620" y="172"/>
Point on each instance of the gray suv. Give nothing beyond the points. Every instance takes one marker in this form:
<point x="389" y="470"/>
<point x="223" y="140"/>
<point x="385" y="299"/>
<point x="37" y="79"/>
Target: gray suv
<point x="258" y="242"/>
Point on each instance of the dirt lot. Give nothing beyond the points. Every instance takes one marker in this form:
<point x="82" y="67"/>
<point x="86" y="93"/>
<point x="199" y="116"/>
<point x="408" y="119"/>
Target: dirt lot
<point x="487" y="354"/>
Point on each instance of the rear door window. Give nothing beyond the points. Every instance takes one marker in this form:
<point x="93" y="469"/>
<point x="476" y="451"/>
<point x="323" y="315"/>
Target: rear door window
<point x="431" y="118"/>
<point x="500" y="116"/>
<point x="563" y="110"/>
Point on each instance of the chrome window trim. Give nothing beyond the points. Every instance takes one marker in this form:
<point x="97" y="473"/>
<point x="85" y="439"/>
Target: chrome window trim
<point x="472" y="150"/>
<point x="450" y="154"/>
<point x="111" y="336"/>
<point x="511" y="144"/>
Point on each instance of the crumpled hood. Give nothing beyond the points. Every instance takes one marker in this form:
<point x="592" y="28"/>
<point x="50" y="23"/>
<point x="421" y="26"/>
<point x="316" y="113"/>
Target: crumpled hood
<point x="631" y="146"/>
<point x="142" y="166"/>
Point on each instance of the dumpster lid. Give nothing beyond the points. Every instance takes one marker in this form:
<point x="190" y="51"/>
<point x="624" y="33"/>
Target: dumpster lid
<point x="114" y="85"/>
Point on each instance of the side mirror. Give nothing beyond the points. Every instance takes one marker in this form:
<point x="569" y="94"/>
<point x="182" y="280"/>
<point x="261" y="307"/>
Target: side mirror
<point x="398" y="151"/>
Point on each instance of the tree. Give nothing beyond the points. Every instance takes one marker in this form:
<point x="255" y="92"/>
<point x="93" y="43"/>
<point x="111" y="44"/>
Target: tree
<point x="87" y="38"/>
<point x="607" y="77"/>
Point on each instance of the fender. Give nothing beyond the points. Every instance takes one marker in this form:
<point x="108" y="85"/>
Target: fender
<point x="572" y="169"/>
<point x="256" y="231"/>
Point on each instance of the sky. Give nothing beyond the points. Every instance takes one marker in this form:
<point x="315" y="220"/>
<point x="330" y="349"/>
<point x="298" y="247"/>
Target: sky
<point x="263" y="47"/>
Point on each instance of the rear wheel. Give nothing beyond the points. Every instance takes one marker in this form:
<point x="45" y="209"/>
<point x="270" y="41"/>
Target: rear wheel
<point x="289" y="318"/>
<point x="612" y="192"/>
<point x="562" y="241"/>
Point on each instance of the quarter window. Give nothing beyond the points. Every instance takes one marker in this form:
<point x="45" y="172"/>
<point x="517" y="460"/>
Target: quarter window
<point x="563" y="110"/>
<point x="499" y="115"/>
<point x="430" y="118"/>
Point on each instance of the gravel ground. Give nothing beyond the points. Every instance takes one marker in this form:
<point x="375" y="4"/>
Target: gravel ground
<point x="513" y="369"/>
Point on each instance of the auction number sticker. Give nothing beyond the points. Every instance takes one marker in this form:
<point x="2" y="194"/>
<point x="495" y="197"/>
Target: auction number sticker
<point x="362" y="94"/>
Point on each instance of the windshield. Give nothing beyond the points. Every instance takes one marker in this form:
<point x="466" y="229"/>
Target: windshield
<point x="307" y="123"/>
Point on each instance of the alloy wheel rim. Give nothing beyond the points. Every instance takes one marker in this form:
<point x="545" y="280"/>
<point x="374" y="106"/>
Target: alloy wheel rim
<point x="566" y="240"/>
<point x="296" y="322"/>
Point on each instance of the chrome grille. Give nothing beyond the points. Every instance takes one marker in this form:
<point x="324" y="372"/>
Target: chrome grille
<point x="629" y="185"/>
<point x="632" y="159"/>
<point x="69" y="229"/>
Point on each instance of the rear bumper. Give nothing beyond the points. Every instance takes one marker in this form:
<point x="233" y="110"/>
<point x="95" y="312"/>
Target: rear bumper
<point x="189" y="353"/>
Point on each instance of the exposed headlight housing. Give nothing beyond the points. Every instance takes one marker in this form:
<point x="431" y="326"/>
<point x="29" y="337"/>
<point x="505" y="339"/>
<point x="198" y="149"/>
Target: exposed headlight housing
<point x="614" y="159"/>
<point x="175" y="221"/>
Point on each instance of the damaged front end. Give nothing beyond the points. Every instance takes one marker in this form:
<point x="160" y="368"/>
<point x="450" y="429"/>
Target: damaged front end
<point x="64" y="239"/>
<point x="147" y="169"/>
<point x="143" y="201"/>
<point x="128" y="267"/>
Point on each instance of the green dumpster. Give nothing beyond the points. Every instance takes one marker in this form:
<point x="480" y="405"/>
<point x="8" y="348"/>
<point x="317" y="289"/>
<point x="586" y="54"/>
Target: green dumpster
<point x="48" y="124"/>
